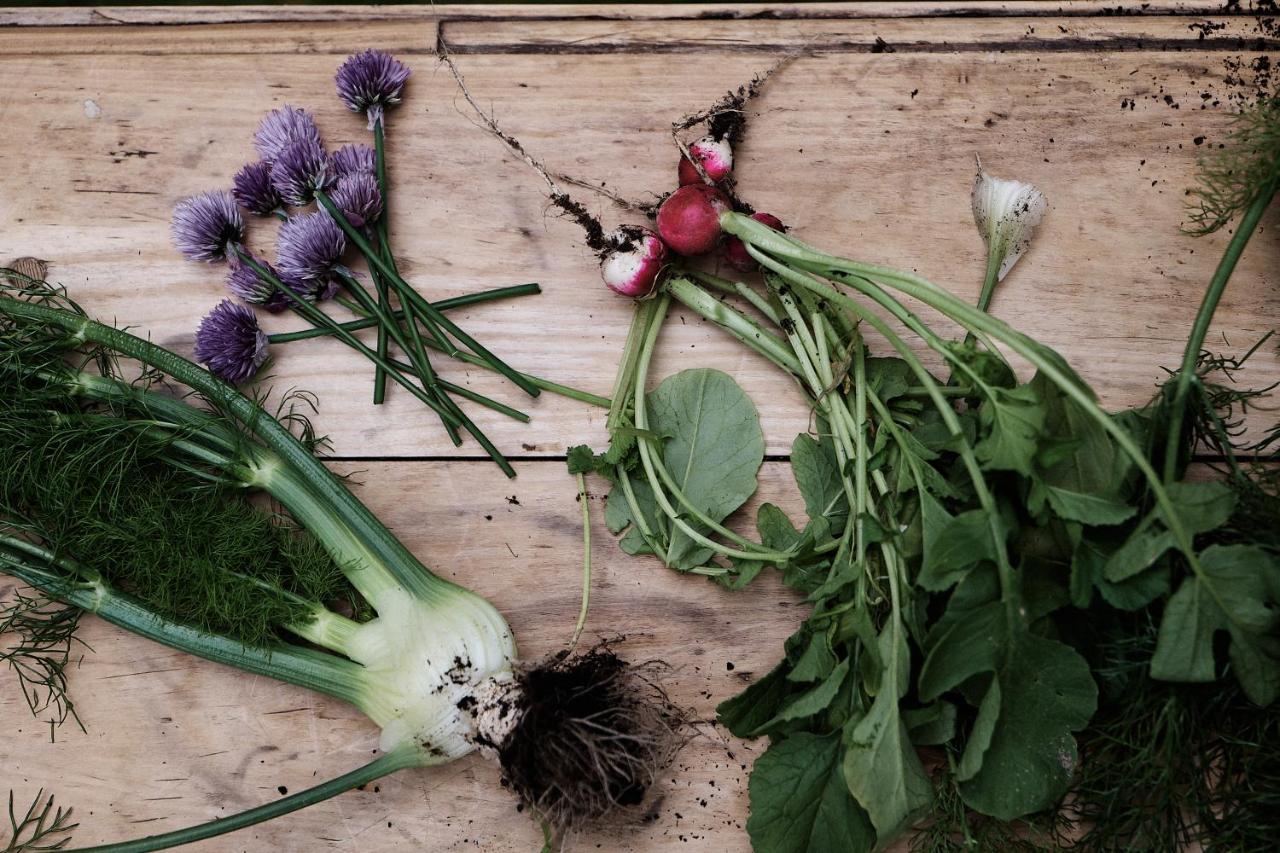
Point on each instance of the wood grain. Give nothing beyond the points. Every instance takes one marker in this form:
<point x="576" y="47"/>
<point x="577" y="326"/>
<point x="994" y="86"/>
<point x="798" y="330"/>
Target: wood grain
<point x="113" y="114"/>
<point x="869" y="154"/>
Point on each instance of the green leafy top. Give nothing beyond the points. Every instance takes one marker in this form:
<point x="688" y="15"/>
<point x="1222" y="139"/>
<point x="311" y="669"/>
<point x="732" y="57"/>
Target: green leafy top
<point x="1234" y="176"/>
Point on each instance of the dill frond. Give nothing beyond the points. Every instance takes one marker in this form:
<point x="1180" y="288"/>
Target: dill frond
<point x="1233" y="177"/>
<point x="44" y="827"/>
<point x="108" y="484"/>
<point x="43" y="636"/>
<point x="1169" y="766"/>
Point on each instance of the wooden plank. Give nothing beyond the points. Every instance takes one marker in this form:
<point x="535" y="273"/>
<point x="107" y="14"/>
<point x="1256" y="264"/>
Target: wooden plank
<point x="173" y="740"/>
<point x="867" y="154"/>
<point x="161" y="15"/>
<point x="857" y="33"/>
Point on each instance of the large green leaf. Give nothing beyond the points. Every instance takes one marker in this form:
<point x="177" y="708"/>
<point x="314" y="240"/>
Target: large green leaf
<point x="881" y="767"/>
<point x="745" y="713"/>
<point x="813" y="701"/>
<point x="952" y="544"/>
<point x="1012" y="420"/>
<point x="1239" y="593"/>
<point x="1200" y="507"/>
<point x="1021" y="754"/>
<point x="813" y="464"/>
<point x="1088" y="507"/>
<point x="713" y="449"/>
<point x="800" y="803"/>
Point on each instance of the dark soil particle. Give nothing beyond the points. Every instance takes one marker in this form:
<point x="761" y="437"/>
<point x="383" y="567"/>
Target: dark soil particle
<point x="594" y="733"/>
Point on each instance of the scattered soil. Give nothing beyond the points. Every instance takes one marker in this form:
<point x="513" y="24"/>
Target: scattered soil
<point x="594" y="734"/>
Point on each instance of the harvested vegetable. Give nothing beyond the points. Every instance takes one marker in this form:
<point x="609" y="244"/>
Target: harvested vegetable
<point x="350" y="191"/>
<point x="1020" y="602"/>
<point x="130" y="502"/>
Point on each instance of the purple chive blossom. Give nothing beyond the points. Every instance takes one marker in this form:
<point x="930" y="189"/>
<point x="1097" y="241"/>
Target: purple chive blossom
<point x="354" y="158"/>
<point x="230" y="343"/>
<point x="254" y="191"/>
<point x="245" y="282"/>
<point x="369" y="81"/>
<point x="205" y="226"/>
<point x="309" y="248"/>
<point x="357" y="196"/>
<point x="302" y="168"/>
<point x="281" y="127"/>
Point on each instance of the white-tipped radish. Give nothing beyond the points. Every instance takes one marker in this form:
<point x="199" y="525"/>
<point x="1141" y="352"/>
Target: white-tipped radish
<point x="716" y="157"/>
<point x="631" y="266"/>
<point x="735" y="252"/>
<point x="689" y="220"/>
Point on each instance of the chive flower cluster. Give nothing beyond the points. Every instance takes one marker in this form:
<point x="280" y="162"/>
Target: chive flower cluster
<point x="293" y="166"/>
<point x="331" y="206"/>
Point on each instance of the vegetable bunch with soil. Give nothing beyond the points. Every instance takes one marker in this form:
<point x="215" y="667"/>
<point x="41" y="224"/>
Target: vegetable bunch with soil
<point x="1011" y="588"/>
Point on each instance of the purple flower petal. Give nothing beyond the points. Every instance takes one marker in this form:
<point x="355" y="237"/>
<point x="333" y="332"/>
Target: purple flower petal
<point x="354" y="158"/>
<point x="301" y="168"/>
<point x="254" y="190"/>
<point x="230" y="343"/>
<point x="369" y="81"/>
<point x="281" y="127"/>
<point x="357" y="196"/>
<point x="245" y="282"/>
<point x="309" y="247"/>
<point x="206" y="225"/>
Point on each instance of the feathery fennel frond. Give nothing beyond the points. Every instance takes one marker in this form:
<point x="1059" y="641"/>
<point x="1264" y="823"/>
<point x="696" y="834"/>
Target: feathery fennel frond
<point x="43" y="827"/>
<point x="1232" y="178"/>
<point x="42" y="636"/>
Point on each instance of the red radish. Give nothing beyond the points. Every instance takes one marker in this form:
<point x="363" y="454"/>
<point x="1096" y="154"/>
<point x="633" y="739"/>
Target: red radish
<point x="735" y="252"/>
<point x="689" y="220"/>
<point x="716" y="157"/>
<point x="631" y="267"/>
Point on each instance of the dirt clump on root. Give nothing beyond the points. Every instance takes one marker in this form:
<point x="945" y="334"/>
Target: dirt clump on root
<point x="594" y="735"/>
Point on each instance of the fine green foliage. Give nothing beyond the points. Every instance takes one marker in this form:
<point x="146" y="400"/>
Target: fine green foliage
<point x="1171" y="766"/>
<point x="1234" y="176"/>
<point x="37" y="636"/>
<point x="43" y="826"/>
<point x="99" y="491"/>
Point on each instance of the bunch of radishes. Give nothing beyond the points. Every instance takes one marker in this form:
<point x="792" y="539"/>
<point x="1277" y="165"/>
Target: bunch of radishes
<point x="688" y="223"/>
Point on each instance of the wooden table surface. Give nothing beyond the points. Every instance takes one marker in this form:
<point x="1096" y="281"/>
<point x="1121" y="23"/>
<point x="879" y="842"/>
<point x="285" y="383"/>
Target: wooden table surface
<point x="865" y="146"/>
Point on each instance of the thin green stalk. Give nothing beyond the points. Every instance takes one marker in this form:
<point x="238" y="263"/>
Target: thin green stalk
<point x="381" y="346"/>
<point x="586" y="563"/>
<point x="740" y="289"/>
<point x="625" y="379"/>
<point x="384" y="296"/>
<point x="416" y="299"/>
<point x="651" y="465"/>
<point x="315" y="670"/>
<point x="317" y="317"/>
<point x="1200" y="329"/>
<point x="735" y="323"/>
<point x="989" y="282"/>
<point x="399" y="314"/>
<point x="401" y="758"/>
<point x="1043" y="359"/>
